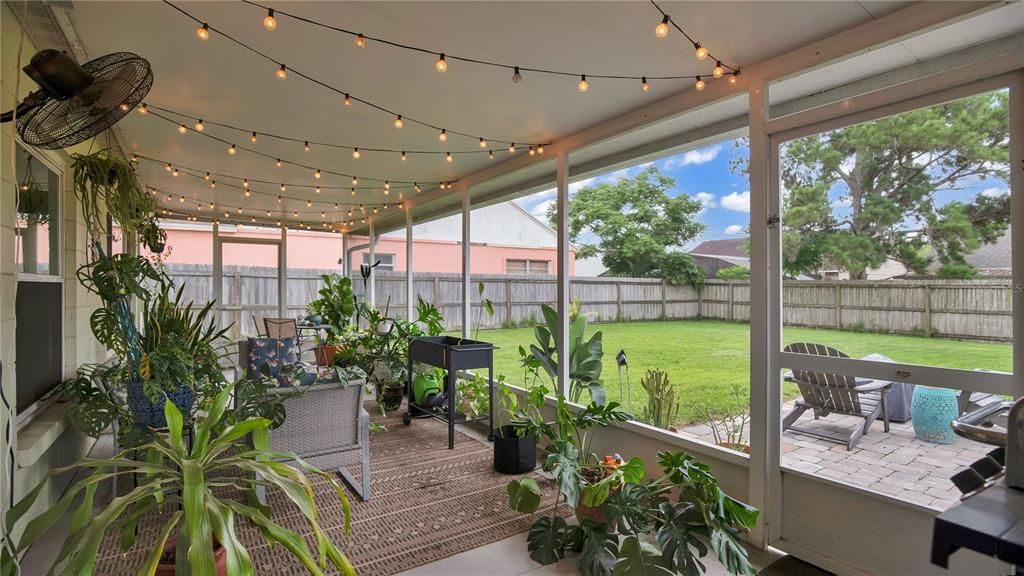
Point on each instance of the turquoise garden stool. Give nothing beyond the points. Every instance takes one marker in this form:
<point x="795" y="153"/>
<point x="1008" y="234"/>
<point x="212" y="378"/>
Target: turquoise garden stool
<point x="933" y="411"/>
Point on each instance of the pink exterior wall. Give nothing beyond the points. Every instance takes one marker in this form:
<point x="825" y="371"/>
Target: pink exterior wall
<point x="322" y="251"/>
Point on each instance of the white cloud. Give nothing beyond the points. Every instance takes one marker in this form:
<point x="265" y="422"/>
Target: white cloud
<point x="540" y="210"/>
<point x="994" y="192"/>
<point x="844" y="202"/>
<point x="699" y="156"/>
<point x="737" y="201"/>
<point x="734" y="229"/>
<point x="706" y="199"/>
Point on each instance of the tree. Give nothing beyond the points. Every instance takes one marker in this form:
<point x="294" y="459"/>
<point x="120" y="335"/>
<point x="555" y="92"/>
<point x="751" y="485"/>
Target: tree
<point x="733" y="273"/>
<point x="889" y="171"/>
<point x="639" y="228"/>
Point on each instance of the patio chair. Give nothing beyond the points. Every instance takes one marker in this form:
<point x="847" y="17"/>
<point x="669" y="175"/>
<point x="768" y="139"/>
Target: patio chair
<point x="325" y="425"/>
<point x="256" y="323"/>
<point x="281" y="328"/>
<point x="825" y="394"/>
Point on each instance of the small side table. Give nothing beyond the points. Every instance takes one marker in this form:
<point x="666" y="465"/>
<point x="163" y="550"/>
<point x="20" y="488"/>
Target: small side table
<point x="934" y="410"/>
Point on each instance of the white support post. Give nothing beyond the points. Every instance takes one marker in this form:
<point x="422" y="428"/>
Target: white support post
<point x="346" y="266"/>
<point x="562" y="225"/>
<point x="410" y="287"/>
<point x="467" y="295"/>
<point x="282" y="274"/>
<point x="1017" y="220"/>
<point x="218" y="275"/>
<point x="371" y="290"/>
<point x="765" y="428"/>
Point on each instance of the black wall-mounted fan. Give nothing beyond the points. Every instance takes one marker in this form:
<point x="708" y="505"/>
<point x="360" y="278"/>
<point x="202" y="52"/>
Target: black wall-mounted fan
<point x="75" y="103"/>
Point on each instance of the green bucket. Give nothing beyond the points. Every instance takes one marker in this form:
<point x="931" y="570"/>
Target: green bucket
<point x="426" y="388"/>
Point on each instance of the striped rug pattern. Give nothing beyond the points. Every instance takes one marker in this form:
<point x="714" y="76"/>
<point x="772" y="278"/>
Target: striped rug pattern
<point x="427" y="503"/>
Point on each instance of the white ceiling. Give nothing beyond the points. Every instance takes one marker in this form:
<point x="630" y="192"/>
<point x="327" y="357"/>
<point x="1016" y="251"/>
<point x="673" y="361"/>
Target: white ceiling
<point x="221" y="82"/>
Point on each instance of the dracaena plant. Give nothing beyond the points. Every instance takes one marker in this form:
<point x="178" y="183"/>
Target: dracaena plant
<point x="201" y="492"/>
<point x="656" y="527"/>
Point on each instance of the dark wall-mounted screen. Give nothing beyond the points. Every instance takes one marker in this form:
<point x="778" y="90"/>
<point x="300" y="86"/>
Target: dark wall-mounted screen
<point x="40" y="360"/>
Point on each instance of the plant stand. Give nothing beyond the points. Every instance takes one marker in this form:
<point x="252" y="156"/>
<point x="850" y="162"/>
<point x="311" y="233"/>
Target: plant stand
<point x="453" y="355"/>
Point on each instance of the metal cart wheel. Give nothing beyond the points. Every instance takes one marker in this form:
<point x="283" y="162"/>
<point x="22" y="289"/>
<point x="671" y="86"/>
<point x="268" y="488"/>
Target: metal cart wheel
<point x="407" y="418"/>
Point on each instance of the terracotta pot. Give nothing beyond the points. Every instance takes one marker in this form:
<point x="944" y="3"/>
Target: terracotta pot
<point x="220" y="559"/>
<point x="584" y="512"/>
<point x="325" y="354"/>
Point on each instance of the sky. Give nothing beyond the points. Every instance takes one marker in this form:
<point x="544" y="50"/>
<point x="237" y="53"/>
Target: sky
<point x="703" y="174"/>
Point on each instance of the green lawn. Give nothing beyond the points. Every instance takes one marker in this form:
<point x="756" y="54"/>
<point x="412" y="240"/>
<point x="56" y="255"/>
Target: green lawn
<point x="705" y="358"/>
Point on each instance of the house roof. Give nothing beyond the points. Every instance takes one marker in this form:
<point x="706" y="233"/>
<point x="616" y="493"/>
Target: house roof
<point x="993" y="257"/>
<point x="729" y="247"/>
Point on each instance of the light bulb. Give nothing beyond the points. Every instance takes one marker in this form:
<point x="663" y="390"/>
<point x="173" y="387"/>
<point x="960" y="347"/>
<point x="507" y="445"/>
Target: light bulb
<point x="181" y="199"/>
<point x="182" y="129"/>
<point x="282" y="72"/>
<point x="124" y="106"/>
<point x="269" y="22"/>
<point x="168" y="167"/>
<point x="143" y="109"/>
<point x="203" y="32"/>
<point x="483" y="143"/>
<point x="661" y="30"/>
<point x="305" y="146"/>
<point x="355" y="153"/>
<point x="211" y="205"/>
<point x="734" y="76"/>
<point x="398" y="121"/>
<point x="540" y="149"/>
<point x="353" y="191"/>
<point x="279" y="199"/>
<point x="232" y="150"/>
<point x="416" y="187"/>
<point x="512" y="148"/>
<point x="253" y="137"/>
<point x="347" y="101"/>
<point x="448" y="157"/>
<point x="309" y="203"/>
<point x="403" y="155"/>
<point x="200" y="126"/>
<point x="699" y="85"/>
<point x="239" y="210"/>
<point x="701" y="52"/>
<point x="322" y="215"/>
<point x="245" y="182"/>
<point x="355" y="181"/>
<point x="442" y="64"/>
<point x="317" y="189"/>
<point x="532" y="151"/>
<point x="279" y="163"/>
<point x="516" y="76"/>
<point x="360" y="41"/>
<point x="213" y="183"/>
<point x="490" y="155"/>
<point x="583" y="86"/>
<point x="718" y="71"/>
<point x="207" y="176"/>
<point x="316" y="174"/>
<point x="283" y="187"/>
<point x="175" y="172"/>
<point x="443" y="136"/>
<point x="644" y="85"/>
<point x="247" y="193"/>
<point x="387" y="186"/>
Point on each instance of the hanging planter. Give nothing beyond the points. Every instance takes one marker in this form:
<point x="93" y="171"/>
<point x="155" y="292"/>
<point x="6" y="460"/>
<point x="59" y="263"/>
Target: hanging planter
<point x="105" y="184"/>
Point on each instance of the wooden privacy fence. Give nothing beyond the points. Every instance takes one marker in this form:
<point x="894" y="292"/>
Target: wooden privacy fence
<point x="969" y="309"/>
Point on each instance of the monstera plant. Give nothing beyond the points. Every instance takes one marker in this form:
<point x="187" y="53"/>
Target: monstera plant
<point x="200" y="493"/>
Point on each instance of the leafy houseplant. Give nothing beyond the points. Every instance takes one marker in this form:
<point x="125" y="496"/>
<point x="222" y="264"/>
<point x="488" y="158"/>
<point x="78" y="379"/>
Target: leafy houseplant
<point x="584" y="355"/>
<point x="103" y="181"/>
<point x="662" y="409"/>
<point x="197" y="490"/>
<point x="335" y="306"/>
<point x="681" y="510"/>
<point x="515" y="445"/>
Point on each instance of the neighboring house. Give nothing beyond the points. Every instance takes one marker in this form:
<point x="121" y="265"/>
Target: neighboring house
<point x="994" y="260"/>
<point x="506" y="239"/>
<point x="714" y="255"/>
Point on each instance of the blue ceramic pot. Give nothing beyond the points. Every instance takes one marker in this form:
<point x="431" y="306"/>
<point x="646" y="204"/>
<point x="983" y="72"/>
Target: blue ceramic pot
<point x="933" y="411"/>
<point x="151" y="415"/>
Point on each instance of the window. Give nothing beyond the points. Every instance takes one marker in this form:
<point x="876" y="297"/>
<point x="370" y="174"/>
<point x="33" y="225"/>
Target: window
<point x="387" y="261"/>
<point x="38" y="218"/>
<point x="527" y="267"/>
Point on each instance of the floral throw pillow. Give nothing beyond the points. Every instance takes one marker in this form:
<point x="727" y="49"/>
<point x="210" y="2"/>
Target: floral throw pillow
<point x="272" y="352"/>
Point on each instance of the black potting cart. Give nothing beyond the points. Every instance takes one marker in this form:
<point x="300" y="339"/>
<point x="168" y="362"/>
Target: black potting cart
<point x="451" y="354"/>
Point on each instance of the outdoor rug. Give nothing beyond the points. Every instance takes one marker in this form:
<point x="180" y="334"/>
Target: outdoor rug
<point x="427" y="503"/>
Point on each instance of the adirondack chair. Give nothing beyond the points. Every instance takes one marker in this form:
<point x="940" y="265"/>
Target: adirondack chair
<point x="826" y="394"/>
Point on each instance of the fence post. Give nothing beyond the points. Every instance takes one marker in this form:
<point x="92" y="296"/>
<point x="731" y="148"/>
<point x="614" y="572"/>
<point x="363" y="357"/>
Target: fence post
<point x="839" y="306"/>
<point x="664" y="300"/>
<point x="926" y="318"/>
<point x="700" y="301"/>
<point x="508" y="302"/>
<point x="618" y="302"/>
<point x="732" y="300"/>
<point x="437" y="292"/>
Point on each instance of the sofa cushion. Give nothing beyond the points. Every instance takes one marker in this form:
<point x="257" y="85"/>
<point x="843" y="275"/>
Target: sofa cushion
<point x="272" y="352"/>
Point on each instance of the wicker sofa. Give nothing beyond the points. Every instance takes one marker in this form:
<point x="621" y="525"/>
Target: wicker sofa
<point x="325" y="425"/>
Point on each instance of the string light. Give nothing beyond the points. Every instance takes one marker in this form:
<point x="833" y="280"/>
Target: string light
<point x="490" y="155"/>
<point x="512" y="148"/>
<point x="442" y="64"/>
<point x="403" y="155"/>
<point x="661" y="30"/>
<point x="282" y="72"/>
<point x="245" y="182"/>
<point x="200" y="126"/>
<point x="483" y="143"/>
<point x="387" y="186"/>
<point x="532" y="151"/>
<point x="353" y="191"/>
<point x="356" y="154"/>
<point x="253" y="138"/>
<point x="232" y="150"/>
<point x="309" y="203"/>
<point x="278" y="163"/>
<point x="398" y="121"/>
<point x="182" y="129"/>
<point x="700" y="84"/>
<point x="443" y="136"/>
<point x="644" y="85"/>
<point x="347" y="101"/>
<point x="305" y="146"/>
<point x="448" y="157"/>
<point x="203" y="32"/>
<point x="355" y="181"/>
<point x="700" y="51"/>
<point x="516" y="76"/>
<point x="247" y="193"/>
<point x="360" y="41"/>
<point x="316" y="174"/>
<point x="175" y="172"/>
<point x="583" y="86"/>
<point x="317" y="189"/>
<point x="270" y="23"/>
<point x="213" y="183"/>
<point x="143" y="109"/>
<point x="181" y="199"/>
<point x="283" y="188"/>
<point x="540" y="149"/>
<point x="718" y="71"/>
<point x="734" y="76"/>
<point x="280" y="199"/>
<point x="207" y="177"/>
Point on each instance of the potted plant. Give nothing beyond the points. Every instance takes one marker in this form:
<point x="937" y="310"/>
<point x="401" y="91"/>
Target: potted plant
<point x="335" y="307"/>
<point x="657" y="527"/>
<point x="584" y="355"/>
<point x="105" y="184"/>
<point x="662" y="410"/>
<point x="515" y="446"/>
<point x="183" y="484"/>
